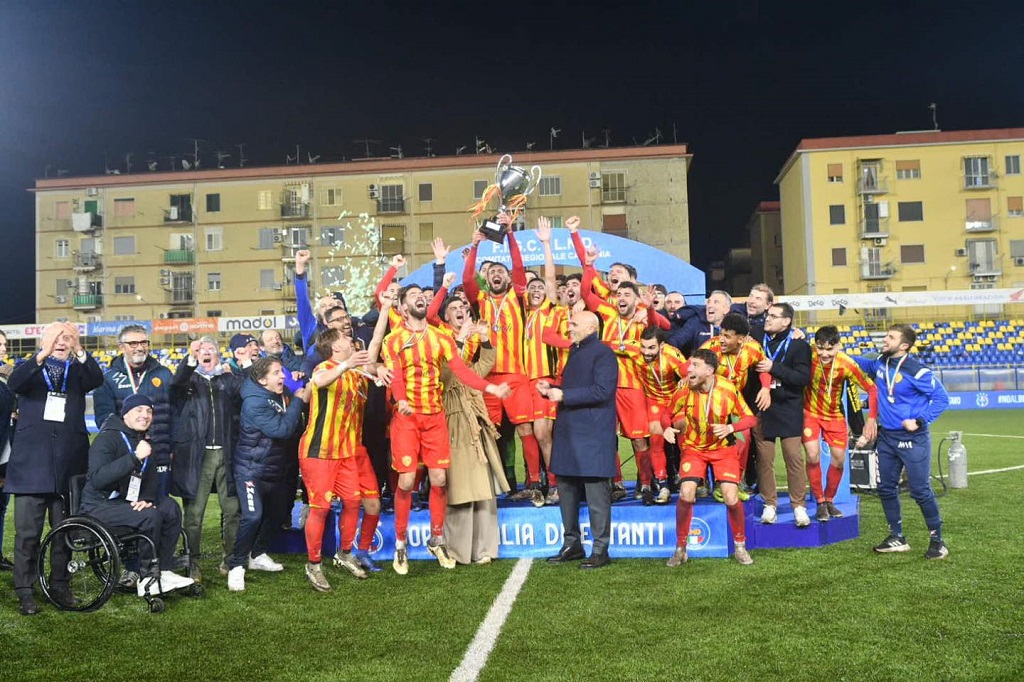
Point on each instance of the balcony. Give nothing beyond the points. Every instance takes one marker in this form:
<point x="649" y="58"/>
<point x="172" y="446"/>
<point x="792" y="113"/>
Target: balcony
<point x="179" y="257"/>
<point x="296" y="211"/>
<point x="975" y="224"/>
<point x="88" y="301"/>
<point x="391" y="206"/>
<point x="178" y="214"/>
<point x="985" y="268"/>
<point x="86" y="222"/>
<point x="183" y="296"/>
<point x="874" y="228"/>
<point x="86" y="262"/>
<point x="979" y="181"/>
<point x="876" y="271"/>
<point x="872" y="185"/>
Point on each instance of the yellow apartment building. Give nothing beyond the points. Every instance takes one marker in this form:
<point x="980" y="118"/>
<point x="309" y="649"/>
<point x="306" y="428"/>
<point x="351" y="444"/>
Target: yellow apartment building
<point x="916" y="211"/>
<point x="215" y="243"/>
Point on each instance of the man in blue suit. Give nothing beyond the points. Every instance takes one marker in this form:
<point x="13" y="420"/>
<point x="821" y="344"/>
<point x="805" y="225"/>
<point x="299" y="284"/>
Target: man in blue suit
<point x="584" y="445"/>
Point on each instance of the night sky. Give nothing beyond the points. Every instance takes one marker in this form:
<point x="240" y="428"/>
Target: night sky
<point x="742" y="81"/>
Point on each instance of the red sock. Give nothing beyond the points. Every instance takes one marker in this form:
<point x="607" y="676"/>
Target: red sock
<point x="834" y="476"/>
<point x="367" y="530"/>
<point x="643" y="466"/>
<point x="347" y="523"/>
<point x="403" y="507"/>
<point x="438" y="507"/>
<point x="618" y="468"/>
<point x="814" y="479"/>
<point x="743" y="447"/>
<point x="552" y="480"/>
<point x="684" y="515"/>
<point x="531" y="453"/>
<point x="737" y="522"/>
<point x="658" y="461"/>
<point x="315" y="524"/>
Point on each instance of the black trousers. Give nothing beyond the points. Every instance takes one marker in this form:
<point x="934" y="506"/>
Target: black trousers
<point x="160" y="523"/>
<point x="30" y="513"/>
<point x="599" y="503"/>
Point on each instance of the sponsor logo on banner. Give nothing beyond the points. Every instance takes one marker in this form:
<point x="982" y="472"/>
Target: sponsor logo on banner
<point x="291" y="321"/>
<point x="905" y="299"/>
<point x="34" y="331"/>
<point x="700" y="534"/>
<point x="981" y="400"/>
<point x="114" y="327"/>
<point x="186" y="325"/>
<point x="250" y="324"/>
<point x="973" y="400"/>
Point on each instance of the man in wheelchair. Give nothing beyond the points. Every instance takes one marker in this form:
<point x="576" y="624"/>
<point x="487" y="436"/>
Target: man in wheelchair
<point x="121" y="490"/>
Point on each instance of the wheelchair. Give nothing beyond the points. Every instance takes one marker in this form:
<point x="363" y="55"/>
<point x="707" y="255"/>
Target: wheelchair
<point x="94" y="555"/>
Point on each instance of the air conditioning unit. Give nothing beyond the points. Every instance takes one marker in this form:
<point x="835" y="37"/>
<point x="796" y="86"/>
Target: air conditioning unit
<point x="95" y="318"/>
<point x="69" y="283"/>
<point x="880" y="241"/>
<point x="1019" y="261"/>
<point x="163" y="316"/>
<point x="594" y="176"/>
<point x="61" y="300"/>
<point x="595" y="184"/>
<point x="165" y="281"/>
<point x="374" y="193"/>
<point x="278" y="286"/>
<point x="961" y="252"/>
<point x="372" y="188"/>
<point x="172" y="213"/>
<point x="164" y="272"/>
<point x="278" y="239"/>
<point x="91" y="192"/>
<point x="869" y="199"/>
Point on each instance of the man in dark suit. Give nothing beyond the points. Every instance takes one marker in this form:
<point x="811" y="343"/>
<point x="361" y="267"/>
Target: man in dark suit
<point x="789" y="363"/>
<point x="583" y="450"/>
<point x="51" y="445"/>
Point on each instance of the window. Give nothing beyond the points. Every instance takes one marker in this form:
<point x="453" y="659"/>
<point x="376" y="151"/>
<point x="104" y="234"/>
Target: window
<point x="214" y="313"/>
<point x="908" y="170"/>
<point x="268" y="279"/>
<point x="912" y="253"/>
<point x="835" y="172"/>
<point x="265" y="200"/>
<point x="62" y="210"/>
<point x="479" y="187"/>
<point x="392" y="239"/>
<point x="124" y="285"/>
<point x="215" y="239"/>
<point x="330" y="196"/>
<point x="550" y="186"/>
<point x="838" y="257"/>
<point x="65" y="287"/>
<point x="976" y="171"/>
<point x="213" y="203"/>
<point x="392" y="199"/>
<point x="61" y="248"/>
<point x="124" y="246"/>
<point x="298" y="238"/>
<point x="1015" y="206"/>
<point x="909" y="211"/>
<point x="556" y="221"/>
<point x="332" y="278"/>
<point x="89" y="245"/>
<point x="1017" y="248"/>
<point x="1013" y="165"/>
<point x="213" y="282"/>
<point x="613" y="187"/>
<point x="837" y="214"/>
<point x="426" y="191"/>
<point x="981" y="256"/>
<point x="426" y="232"/>
<point x="267" y="238"/>
<point x="332" y="236"/>
<point x="267" y="312"/>
<point x="182" y="288"/>
<point x="124" y="208"/>
<point x="180" y="208"/>
<point x="124" y="318"/>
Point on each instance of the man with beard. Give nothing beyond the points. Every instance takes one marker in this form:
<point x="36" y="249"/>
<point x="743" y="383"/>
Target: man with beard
<point x="501" y="308"/>
<point x="702" y="327"/>
<point x="136" y="371"/>
<point x="703" y="412"/>
<point x="415" y="353"/>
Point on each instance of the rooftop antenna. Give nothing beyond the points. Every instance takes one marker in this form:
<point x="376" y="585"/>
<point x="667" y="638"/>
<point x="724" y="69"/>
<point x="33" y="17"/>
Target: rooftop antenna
<point x="312" y="159"/>
<point x="107" y="169"/>
<point x="675" y="136"/>
<point x="185" y="165"/>
<point x="366" y="144"/>
<point x="290" y="159"/>
<point x="458" y="152"/>
<point x="587" y="141"/>
<point x="396" y="152"/>
<point x="61" y="172"/>
<point x="935" y="116"/>
<point x="220" y="158"/>
<point x="241" y="154"/>
<point x="195" y="150"/>
<point x="607" y="132"/>
<point x="427" y="141"/>
<point x="553" y="134"/>
<point x="653" y="139"/>
<point x="46" y="171"/>
<point x="530" y="146"/>
<point x="151" y="164"/>
<point x="128" y="162"/>
<point x="481" y="146"/>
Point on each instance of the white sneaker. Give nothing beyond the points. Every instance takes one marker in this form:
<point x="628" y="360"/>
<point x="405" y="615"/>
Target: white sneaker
<point x="802" y="519"/>
<point x="172" y="581"/>
<point x="769" y="514"/>
<point x="263" y="562"/>
<point x="236" y="579"/>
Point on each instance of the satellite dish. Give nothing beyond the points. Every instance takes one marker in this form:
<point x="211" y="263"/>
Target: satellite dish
<point x="185" y="164"/>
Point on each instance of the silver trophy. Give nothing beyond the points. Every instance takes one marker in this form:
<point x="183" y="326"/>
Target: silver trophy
<point x="512" y="184"/>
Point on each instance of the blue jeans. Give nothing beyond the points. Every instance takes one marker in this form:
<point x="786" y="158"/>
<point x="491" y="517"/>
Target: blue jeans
<point x="910" y="450"/>
<point x="252" y="527"/>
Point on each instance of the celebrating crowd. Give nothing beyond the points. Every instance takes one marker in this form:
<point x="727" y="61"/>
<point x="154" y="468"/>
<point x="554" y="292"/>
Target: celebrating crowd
<point x="423" y="397"/>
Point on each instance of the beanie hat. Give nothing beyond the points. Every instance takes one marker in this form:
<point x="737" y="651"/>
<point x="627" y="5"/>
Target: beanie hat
<point x="241" y="341"/>
<point x="135" y="400"/>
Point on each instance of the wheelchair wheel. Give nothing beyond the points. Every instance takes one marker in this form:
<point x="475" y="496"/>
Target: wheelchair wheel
<point x="196" y="590"/>
<point x="156" y="605"/>
<point x="79" y="565"/>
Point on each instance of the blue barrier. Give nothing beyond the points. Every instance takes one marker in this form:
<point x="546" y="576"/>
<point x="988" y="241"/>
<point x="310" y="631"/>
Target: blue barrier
<point x="986" y="400"/>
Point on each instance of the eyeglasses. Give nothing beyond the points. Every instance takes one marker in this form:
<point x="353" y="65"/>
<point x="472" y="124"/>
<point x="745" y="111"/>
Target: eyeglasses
<point x="776" y="317"/>
<point x="135" y="344"/>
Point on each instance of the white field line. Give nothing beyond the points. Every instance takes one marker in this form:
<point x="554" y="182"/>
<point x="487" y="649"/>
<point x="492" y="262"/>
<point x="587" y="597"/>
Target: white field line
<point x="995" y="471"/>
<point x="480" y="648"/>
<point x="993" y="435"/>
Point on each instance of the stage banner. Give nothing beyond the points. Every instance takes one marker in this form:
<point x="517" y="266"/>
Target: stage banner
<point x="986" y="400"/>
<point x="904" y="299"/>
<point x="114" y="327"/>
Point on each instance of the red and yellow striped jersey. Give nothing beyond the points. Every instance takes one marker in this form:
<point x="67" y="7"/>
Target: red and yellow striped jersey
<point x="469" y="348"/>
<point x="504" y="315"/>
<point x="335" y="427"/>
<point x="618" y="334"/>
<point x="823" y="397"/>
<point x="660" y="379"/>
<point x="559" y="322"/>
<point x="419" y="358"/>
<point x="394" y="318"/>
<point x="702" y="410"/>
<point x="736" y="366"/>
<point x="538" y="358"/>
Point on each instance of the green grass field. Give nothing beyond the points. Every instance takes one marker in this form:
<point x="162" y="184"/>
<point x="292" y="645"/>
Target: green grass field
<point x="836" y="613"/>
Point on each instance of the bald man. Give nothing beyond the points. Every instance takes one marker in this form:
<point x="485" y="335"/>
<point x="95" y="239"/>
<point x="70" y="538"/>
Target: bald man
<point x="584" y="445"/>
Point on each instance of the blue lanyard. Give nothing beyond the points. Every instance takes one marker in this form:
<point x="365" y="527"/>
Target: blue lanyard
<point x="132" y="450"/>
<point x="49" y="384"/>
<point x="783" y="347"/>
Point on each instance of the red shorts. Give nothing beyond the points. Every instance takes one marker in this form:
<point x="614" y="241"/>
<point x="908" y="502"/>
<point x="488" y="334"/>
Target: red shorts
<point x="835" y="432"/>
<point x="419" y="438"/>
<point x="658" y="413"/>
<point x="542" y="407"/>
<point x="518" y="406"/>
<point x="693" y="465"/>
<point x="631" y="406"/>
<point x="330" y="479"/>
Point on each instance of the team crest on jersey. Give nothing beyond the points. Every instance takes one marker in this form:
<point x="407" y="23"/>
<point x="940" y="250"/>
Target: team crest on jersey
<point x="655" y="409"/>
<point x="157" y="382"/>
<point x="328" y="496"/>
<point x="406" y="461"/>
<point x="686" y="466"/>
<point x="808" y="432"/>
